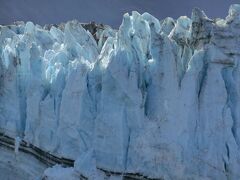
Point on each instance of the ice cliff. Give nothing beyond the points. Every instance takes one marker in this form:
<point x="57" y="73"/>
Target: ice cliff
<point x="156" y="98"/>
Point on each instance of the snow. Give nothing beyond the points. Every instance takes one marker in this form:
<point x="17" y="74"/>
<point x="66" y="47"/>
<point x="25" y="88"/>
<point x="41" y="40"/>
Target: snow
<point x="59" y="173"/>
<point x="156" y="98"/>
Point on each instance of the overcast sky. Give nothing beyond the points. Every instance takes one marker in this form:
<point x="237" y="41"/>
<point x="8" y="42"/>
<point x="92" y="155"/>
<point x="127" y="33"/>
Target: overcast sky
<point x="103" y="11"/>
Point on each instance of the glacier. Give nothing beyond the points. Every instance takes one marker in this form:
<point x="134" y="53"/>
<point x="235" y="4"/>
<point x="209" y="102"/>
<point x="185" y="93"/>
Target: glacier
<point x="159" y="99"/>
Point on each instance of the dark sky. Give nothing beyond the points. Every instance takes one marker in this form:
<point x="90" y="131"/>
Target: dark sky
<point x="103" y="11"/>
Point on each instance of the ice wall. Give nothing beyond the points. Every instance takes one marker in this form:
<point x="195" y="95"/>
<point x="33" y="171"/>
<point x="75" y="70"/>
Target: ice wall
<point x="157" y="98"/>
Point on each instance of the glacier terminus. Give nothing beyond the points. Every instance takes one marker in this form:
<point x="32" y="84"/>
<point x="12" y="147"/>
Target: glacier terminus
<point x="155" y="99"/>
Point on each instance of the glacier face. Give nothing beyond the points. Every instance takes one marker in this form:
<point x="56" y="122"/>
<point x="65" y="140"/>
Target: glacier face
<point x="157" y="98"/>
